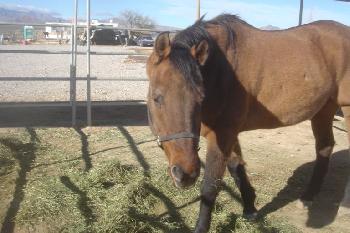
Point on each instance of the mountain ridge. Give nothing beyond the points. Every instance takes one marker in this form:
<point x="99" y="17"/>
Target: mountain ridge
<point x="20" y="14"/>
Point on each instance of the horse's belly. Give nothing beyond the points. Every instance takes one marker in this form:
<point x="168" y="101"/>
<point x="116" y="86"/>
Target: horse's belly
<point x="287" y="104"/>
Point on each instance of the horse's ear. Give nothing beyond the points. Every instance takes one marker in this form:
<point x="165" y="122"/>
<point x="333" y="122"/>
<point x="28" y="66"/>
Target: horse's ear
<point x="200" y="52"/>
<point x="162" y="45"/>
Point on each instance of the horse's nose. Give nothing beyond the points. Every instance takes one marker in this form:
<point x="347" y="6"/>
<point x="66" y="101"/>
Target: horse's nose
<point x="177" y="173"/>
<point x="195" y="174"/>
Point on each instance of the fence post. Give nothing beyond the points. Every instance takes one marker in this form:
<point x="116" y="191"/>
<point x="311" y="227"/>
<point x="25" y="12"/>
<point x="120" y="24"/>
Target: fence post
<point x="198" y="9"/>
<point x="301" y="12"/>
<point x="88" y="86"/>
<point x="73" y="68"/>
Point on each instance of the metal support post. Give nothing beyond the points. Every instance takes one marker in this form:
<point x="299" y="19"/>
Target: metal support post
<point x="301" y="12"/>
<point x="198" y="9"/>
<point x="88" y="84"/>
<point x="73" y="68"/>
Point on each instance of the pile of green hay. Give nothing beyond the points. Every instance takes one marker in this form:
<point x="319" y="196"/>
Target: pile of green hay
<point x="117" y="198"/>
<point x="109" y="198"/>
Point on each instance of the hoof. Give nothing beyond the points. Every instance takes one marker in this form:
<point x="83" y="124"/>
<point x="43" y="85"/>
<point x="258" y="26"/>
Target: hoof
<point x="302" y="204"/>
<point x="251" y="217"/>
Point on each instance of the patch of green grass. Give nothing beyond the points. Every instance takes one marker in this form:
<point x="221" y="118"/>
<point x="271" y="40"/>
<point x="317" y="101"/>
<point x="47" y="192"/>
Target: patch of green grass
<point x="60" y="196"/>
<point x="238" y="224"/>
<point x="7" y="162"/>
<point x="119" y="198"/>
<point x="110" y="198"/>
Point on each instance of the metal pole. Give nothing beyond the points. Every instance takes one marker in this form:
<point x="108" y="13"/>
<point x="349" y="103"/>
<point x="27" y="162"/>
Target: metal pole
<point x="198" y="9"/>
<point x="71" y="64"/>
<point x="88" y="84"/>
<point x="74" y="66"/>
<point x="72" y="41"/>
<point x="301" y="12"/>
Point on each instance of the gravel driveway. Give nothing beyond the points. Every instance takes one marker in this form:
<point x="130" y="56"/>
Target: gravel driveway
<point x="40" y="73"/>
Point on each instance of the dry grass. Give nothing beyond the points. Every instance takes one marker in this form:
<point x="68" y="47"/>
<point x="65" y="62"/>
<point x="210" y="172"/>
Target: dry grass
<point x="114" y="180"/>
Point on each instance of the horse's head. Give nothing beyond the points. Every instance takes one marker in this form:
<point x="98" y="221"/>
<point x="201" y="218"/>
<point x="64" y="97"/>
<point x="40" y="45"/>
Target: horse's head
<point x="174" y="104"/>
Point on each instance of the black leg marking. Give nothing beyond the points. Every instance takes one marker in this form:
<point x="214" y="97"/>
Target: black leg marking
<point x="206" y="207"/>
<point x="320" y="171"/>
<point x="247" y="191"/>
<point x="323" y="132"/>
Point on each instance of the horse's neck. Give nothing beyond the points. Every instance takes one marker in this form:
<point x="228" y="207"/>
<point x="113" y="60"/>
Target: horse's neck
<point x="218" y="81"/>
<point x="223" y="89"/>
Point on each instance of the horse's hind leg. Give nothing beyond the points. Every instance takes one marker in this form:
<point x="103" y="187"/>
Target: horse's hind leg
<point x="345" y="204"/>
<point x="322" y="124"/>
<point x="236" y="168"/>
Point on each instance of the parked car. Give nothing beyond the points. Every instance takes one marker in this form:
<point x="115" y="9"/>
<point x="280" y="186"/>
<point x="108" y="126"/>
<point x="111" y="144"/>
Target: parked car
<point x="100" y="37"/>
<point x="145" y="41"/>
<point x="103" y="37"/>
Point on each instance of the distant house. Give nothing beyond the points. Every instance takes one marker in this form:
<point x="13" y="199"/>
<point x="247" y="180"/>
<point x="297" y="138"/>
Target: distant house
<point x="61" y="32"/>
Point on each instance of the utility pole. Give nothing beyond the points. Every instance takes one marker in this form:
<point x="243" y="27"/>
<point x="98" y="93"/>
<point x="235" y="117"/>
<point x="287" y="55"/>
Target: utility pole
<point x="198" y="9"/>
<point x="301" y="12"/>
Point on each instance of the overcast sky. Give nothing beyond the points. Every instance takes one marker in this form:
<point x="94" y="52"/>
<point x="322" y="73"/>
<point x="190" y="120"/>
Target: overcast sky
<point x="182" y="13"/>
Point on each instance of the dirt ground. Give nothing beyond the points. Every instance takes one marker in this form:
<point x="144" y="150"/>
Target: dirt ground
<point x="283" y="160"/>
<point x="279" y="163"/>
<point x="40" y="73"/>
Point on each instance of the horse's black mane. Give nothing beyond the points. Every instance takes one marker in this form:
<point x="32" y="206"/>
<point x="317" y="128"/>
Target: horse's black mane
<point x="197" y="32"/>
<point x="192" y="36"/>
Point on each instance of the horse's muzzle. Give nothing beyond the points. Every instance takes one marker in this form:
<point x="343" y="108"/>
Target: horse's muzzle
<point x="182" y="179"/>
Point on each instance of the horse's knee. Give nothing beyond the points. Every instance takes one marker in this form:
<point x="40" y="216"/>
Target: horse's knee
<point x="326" y="151"/>
<point x="233" y="162"/>
<point x="232" y="168"/>
<point x="325" y="143"/>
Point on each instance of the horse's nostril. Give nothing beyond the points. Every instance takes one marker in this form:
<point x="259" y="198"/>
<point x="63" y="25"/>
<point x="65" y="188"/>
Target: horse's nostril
<point x="177" y="173"/>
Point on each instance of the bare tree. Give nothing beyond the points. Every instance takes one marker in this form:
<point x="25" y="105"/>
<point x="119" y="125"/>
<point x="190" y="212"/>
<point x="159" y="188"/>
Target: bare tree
<point x="133" y="19"/>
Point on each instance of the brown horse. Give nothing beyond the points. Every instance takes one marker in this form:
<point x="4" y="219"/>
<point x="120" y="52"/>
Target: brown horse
<point x="220" y="77"/>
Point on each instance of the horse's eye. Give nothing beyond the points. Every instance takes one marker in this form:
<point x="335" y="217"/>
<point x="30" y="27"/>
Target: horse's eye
<point x="159" y="100"/>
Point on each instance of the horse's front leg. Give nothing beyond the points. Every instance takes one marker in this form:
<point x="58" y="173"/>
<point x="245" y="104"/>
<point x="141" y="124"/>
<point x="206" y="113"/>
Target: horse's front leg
<point x="216" y="161"/>
<point x="237" y="170"/>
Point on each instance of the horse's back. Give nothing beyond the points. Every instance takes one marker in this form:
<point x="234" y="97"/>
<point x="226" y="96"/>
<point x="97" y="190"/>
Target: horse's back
<point x="291" y="74"/>
<point x="335" y="47"/>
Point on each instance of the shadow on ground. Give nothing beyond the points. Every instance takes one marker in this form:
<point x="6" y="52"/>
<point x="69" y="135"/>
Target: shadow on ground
<point x="25" y="154"/>
<point x="172" y="212"/>
<point x="131" y="113"/>
<point x="83" y="201"/>
<point x="84" y="149"/>
<point x="325" y="206"/>
<point x="134" y="147"/>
